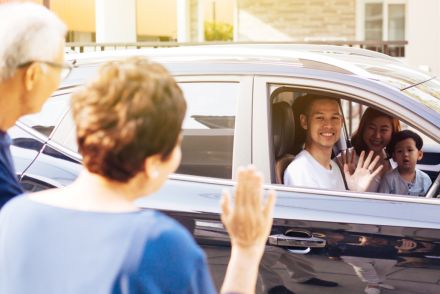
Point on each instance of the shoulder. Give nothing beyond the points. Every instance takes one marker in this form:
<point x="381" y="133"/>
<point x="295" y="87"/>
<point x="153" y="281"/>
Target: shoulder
<point x="16" y="205"/>
<point x="301" y="159"/>
<point x="424" y="176"/>
<point x="296" y="167"/>
<point x="167" y="237"/>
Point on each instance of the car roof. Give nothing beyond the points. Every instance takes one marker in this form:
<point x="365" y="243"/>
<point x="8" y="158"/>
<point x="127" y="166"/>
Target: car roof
<point x="339" y="59"/>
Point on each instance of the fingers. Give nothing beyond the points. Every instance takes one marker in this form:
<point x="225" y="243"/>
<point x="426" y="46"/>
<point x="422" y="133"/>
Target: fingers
<point x="361" y="160"/>
<point x="225" y="203"/>
<point x="269" y="204"/>
<point x="240" y="187"/>
<point x="346" y="170"/>
<point x="377" y="171"/>
<point x="367" y="161"/>
<point x="373" y="164"/>
<point x="352" y="155"/>
<point x="249" y="187"/>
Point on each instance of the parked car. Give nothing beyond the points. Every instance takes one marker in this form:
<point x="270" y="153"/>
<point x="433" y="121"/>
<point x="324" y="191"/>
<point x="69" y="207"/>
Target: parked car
<point x="231" y="91"/>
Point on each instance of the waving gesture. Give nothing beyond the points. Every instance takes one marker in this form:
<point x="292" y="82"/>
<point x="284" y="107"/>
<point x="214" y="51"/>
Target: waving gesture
<point x="249" y="221"/>
<point x="360" y="179"/>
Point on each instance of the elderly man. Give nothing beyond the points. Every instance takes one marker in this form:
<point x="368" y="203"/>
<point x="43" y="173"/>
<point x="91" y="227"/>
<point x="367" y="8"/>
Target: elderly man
<point x="31" y="64"/>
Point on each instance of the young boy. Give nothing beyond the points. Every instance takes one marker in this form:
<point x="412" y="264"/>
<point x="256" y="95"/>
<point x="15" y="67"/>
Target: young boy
<point x="405" y="179"/>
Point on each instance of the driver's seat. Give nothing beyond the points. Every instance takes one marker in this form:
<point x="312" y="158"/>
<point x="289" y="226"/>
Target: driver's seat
<point x="283" y="131"/>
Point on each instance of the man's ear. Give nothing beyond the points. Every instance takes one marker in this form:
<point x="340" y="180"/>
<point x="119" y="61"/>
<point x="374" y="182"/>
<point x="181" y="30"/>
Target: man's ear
<point x="31" y="75"/>
<point x="303" y="121"/>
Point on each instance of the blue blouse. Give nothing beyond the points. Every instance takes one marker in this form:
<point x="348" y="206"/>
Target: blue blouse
<point x="48" y="249"/>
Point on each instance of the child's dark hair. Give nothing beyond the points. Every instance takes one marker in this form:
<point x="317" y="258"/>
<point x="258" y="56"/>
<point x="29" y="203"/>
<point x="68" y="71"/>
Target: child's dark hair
<point x="403" y="135"/>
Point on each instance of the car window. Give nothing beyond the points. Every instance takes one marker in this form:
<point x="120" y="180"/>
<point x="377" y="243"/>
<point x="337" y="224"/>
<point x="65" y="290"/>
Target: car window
<point x="50" y="115"/>
<point x="288" y="138"/>
<point x="208" y="129"/>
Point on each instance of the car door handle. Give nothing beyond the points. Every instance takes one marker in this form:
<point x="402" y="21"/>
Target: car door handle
<point x="288" y="241"/>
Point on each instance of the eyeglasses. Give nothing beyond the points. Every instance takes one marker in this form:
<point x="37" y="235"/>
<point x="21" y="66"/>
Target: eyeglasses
<point x="65" y="67"/>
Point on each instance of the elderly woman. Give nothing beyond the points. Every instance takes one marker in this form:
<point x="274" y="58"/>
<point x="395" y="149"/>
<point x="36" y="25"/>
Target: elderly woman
<point x="89" y="237"/>
<point x="373" y="134"/>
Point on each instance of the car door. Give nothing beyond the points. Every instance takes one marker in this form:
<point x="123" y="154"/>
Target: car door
<point x="30" y="136"/>
<point x="352" y="239"/>
<point x="216" y="140"/>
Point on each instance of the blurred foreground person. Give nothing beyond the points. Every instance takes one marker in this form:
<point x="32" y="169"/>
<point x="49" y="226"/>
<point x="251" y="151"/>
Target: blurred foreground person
<point x="31" y="65"/>
<point x="89" y="237"/>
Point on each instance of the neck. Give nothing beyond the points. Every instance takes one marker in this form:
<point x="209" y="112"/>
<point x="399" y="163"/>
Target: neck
<point x="320" y="153"/>
<point x="95" y="193"/>
<point x="9" y="103"/>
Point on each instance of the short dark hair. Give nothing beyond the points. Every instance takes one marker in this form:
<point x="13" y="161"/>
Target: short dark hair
<point x="403" y="135"/>
<point x="307" y="101"/>
<point x="133" y="110"/>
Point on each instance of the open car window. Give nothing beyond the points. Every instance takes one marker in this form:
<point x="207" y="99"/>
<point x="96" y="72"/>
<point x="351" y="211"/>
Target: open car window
<point x="288" y="137"/>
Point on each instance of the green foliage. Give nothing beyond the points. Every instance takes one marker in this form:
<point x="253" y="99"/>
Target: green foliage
<point x="218" y="31"/>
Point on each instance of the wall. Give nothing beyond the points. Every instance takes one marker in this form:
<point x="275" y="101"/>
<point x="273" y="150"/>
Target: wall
<point x="423" y="34"/>
<point x="157" y="18"/>
<point x="296" y="20"/>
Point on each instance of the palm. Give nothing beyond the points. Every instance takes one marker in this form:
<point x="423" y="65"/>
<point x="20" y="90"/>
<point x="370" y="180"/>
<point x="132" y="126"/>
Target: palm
<point x="360" y="179"/>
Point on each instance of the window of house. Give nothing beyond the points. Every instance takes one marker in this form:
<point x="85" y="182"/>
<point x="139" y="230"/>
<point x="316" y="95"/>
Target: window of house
<point x="383" y="20"/>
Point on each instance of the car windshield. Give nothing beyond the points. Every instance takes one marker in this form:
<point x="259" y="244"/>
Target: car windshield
<point x="428" y="93"/>
<point x="417" y="85"/>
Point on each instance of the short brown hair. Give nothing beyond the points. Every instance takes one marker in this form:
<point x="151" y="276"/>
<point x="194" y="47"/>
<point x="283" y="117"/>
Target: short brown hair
<point x="133" y="110"/>
<point x="371" y="113"/>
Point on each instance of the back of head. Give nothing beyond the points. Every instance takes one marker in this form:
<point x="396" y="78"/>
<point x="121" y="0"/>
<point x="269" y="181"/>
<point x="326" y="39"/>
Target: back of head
<point x="403" y="135"/>
<point x="133" y="110"/>
<point x="28" y="32"/>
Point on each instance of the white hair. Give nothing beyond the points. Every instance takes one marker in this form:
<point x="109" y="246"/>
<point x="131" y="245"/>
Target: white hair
<point x="28" y="32"/>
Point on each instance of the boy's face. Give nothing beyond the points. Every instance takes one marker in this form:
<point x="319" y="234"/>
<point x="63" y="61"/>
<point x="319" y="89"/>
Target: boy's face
<point x="323" y="123"/>
<point x="406" y="155"/>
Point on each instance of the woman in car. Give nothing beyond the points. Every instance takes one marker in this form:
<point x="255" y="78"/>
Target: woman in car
<point x="89" y="237"/>
<point x="373" y="134"/>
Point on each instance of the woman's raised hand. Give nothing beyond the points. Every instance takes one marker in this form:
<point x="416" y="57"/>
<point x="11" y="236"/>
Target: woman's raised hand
<point x="365" y="172"/>
<point x="249" y="221"/>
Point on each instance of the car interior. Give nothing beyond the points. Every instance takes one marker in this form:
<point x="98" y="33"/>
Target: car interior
<point x="288" y="136"/>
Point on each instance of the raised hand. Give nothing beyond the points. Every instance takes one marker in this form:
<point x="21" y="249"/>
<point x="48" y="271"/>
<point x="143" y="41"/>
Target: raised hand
<point x="249" y="221"/>
<point x="363" y="175"/>
<point x="347" y="157"/>
<point x="248" y="224"/>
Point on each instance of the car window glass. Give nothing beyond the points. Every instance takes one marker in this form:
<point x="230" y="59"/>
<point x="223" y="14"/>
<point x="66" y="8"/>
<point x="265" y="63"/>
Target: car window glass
<point x="50" y="115"/>
<point x="208" y="129"/>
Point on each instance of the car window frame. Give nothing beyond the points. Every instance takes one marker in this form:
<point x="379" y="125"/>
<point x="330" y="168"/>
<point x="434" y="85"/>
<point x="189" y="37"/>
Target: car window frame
<point x="242" y="140"/>
<point x="264" y="86"/>
<point x="241" y="152"/>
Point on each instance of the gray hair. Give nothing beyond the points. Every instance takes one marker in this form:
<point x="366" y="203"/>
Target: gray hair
<point x="28" y="32"/>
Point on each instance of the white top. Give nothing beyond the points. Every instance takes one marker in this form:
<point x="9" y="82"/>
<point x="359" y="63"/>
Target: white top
<point x="306" y="171"/>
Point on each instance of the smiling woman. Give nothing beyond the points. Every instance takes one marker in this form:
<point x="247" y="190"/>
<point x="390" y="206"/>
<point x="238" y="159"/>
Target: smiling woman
<point x="374" y="134"/>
